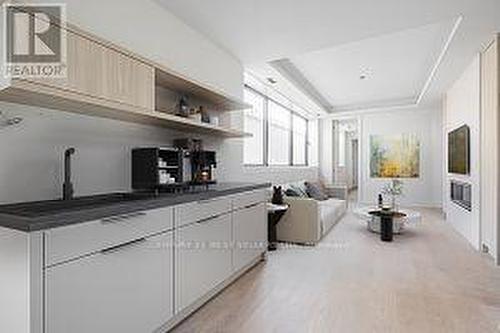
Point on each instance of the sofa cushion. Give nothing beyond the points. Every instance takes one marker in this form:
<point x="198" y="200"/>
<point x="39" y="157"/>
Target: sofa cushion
<point x="315" y="191"/>
<point x="330" y="212"/>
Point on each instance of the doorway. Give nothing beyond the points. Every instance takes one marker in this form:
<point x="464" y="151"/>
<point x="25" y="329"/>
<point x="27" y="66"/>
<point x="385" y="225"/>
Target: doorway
<point x="346" y="155"/>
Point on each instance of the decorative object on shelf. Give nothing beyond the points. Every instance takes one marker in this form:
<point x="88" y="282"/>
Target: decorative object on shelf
<point x="394" y="156"/>
<point x="277" y="198"/>
<point x="195" y="114"/>
<point x="183" y="109"/>
<point x="214" y="120"/>
<point x="205" y="117"/>
<point x="395" y="189"/>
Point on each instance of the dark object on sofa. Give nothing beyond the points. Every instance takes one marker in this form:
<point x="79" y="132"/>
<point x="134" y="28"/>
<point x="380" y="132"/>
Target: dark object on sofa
<point x="277" y="198"/>
<point x="315" y="191"/>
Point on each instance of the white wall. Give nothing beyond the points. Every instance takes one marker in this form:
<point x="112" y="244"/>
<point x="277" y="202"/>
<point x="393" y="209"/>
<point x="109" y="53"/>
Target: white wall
<point x="326" y="150"/>
<point x="31" y="153"/>
<point x="426" y="124"/>
<point x="462" y="106"/>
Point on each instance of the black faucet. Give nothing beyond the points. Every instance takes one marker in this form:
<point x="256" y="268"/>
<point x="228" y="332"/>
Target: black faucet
<point x="68" y="186"/>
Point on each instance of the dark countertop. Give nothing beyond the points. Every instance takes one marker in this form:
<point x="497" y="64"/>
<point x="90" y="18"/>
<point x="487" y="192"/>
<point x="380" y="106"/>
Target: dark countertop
<point x="25" y="222"/>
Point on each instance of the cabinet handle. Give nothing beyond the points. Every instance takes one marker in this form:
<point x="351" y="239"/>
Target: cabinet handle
<point x="251" y="205"/>
<point x="206" y="201"/>
<point x="119" y="218"/>
<point x="248" y="206"/>
<point x="122" y="246"/>
<point x="205" y="220"/>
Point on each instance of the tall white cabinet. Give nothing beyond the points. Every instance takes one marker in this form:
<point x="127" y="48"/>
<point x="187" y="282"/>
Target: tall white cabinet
<point x="490" y="154"/>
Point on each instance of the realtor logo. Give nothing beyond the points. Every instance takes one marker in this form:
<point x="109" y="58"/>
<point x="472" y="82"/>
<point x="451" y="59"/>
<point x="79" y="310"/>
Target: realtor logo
<point x="34" y="41"/>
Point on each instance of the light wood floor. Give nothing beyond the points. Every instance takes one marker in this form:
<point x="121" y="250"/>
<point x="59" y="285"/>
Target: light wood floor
<point x="427" y="280"/>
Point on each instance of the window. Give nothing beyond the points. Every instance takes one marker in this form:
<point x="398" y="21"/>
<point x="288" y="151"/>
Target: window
<point x="279" y="135"/>
<point x="312" y="143"/>
<point x="253" y="147"/>
<point x="299" y="140"/>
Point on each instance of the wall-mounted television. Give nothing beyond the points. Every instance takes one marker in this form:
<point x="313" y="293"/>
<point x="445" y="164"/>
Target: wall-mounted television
<point x="459" y="150"/>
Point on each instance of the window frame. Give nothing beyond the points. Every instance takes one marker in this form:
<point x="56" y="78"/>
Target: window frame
<point x="266" y="125"/>
<point x="306" y="142"/>
<point x="264" y="129"/>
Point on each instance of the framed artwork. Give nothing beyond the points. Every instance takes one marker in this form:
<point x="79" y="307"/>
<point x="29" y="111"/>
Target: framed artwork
<point x="395" y="156"/>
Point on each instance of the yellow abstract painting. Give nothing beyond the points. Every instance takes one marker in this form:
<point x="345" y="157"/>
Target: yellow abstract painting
<point x="394" y="156"/>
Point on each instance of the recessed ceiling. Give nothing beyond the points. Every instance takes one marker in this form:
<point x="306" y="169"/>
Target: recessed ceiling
<point x="260" y="31"/>
<point x="389" y="69"/>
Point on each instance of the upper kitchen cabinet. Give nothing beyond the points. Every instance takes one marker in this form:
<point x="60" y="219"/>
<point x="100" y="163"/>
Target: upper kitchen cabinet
<point x="101" y="72"/>
<point x="105" y="80"/>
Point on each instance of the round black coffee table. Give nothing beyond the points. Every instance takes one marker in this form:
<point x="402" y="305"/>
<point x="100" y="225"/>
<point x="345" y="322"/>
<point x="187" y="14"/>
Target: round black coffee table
<point x="385" y="219"/>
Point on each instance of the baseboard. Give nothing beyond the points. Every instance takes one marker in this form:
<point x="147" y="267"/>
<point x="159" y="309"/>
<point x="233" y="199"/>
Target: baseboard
<point x="418" y="205"/>
<point x="184" y="314"/>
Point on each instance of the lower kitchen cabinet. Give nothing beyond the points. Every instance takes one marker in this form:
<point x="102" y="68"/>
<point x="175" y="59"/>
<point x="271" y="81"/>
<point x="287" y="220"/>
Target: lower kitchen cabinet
<point x="250" y="234"/>
<point x="127" y="289"/>
<point x="203" y="258"/>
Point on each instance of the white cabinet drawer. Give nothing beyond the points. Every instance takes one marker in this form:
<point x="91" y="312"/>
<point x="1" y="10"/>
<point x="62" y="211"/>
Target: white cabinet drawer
<point x="203" y="258"/>
<point x="73" y="241"/>
<point x="126" y="290"/>
<point x="250" y="234"/>
<point x="200" y="210"/>
<point x="249" y="198"/>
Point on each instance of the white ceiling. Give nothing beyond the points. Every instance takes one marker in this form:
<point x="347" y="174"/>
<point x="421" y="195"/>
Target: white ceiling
<point x="329" y="41"/>
<point x="396" y="67"/>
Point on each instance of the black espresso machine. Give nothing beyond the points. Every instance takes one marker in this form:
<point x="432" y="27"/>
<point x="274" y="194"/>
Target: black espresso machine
<point x="169" y="169"/>
<point x="202" y="167"/>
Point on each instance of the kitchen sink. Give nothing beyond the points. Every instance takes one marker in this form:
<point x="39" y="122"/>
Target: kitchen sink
<point x="50" y="207"/>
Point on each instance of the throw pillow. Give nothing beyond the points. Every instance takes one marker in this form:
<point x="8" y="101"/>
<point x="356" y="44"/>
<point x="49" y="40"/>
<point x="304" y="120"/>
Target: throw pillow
<point x="301" y="191"/>
<point x="315" y="191"/>
<point x="290" y="192"/>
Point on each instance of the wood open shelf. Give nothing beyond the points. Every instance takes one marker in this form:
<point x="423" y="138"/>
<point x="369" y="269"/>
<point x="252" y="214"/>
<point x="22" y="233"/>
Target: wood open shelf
<point x="183" y="86"/>
<point x="29" y="93"/>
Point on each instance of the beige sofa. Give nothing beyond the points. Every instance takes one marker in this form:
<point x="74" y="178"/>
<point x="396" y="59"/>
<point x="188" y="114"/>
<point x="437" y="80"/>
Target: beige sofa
<point x="308" y="220"/>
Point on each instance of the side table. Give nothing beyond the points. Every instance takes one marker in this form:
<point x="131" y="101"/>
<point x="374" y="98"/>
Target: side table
<point x="274" y="215"/>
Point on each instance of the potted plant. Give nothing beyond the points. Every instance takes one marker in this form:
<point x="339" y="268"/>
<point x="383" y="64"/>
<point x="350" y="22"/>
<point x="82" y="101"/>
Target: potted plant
<point x="394" y="188"/>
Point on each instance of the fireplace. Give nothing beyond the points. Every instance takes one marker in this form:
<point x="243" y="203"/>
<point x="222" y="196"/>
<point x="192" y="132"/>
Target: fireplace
<point x="461" y="194"/>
